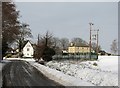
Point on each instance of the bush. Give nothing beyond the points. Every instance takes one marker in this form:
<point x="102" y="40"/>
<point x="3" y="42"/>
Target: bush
<point x="8" y="55"/>
<point x="41" y="62"/>
<point x="48" y="53"/>
<point x="47" y="58"/>
<point x="95" y="64"/>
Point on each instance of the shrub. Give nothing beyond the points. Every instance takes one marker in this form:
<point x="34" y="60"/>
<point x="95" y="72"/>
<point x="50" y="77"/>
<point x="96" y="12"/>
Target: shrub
<point x="95" y="64"/>
<point x="48" y="53"/>
<point x="47" y="58"/>
<point x="41" y="62"/>
<point x="8" y="55"/>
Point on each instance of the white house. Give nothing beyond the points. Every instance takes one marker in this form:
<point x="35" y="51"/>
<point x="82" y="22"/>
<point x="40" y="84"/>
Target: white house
<point x="28" y="50"/>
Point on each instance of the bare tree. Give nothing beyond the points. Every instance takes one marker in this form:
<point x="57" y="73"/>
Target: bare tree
<point x="78" y="42"/>
<point x="46" y="39"/>
<point x="64" y="43"/>
<point x="56" y="45"/>
<point x="94" y="47"/>
<point x="39" y="48"/>
<point x="114" y="47"/>
<point x="44" y="47"/>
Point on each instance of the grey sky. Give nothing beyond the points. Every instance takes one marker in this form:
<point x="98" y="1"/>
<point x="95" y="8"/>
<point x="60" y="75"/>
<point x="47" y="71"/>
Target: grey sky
<point x="71" y="19"/>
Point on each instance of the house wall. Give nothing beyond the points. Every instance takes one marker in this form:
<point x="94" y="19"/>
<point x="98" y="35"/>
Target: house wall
<point x="71" y="49"/>
<point x="28" y="50"/>
<point x="84" y="49"/>
<point x="78" y="49"/>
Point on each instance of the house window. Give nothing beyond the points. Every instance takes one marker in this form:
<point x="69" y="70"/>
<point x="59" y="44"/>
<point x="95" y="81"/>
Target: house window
<point x="28" y="45"/>
<point x="28" y="49"/>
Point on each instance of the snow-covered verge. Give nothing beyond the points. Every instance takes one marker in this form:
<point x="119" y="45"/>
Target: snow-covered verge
<point x="58" y="76"/>
<point x="103" y="72"/>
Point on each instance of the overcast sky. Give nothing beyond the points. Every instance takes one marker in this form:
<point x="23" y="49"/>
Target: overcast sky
<point x="71" y="19"/>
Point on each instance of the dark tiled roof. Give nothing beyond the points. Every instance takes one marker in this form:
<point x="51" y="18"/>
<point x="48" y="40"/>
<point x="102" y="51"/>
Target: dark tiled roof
<point x="82" y="45"/>
<point x="25" y="42"/>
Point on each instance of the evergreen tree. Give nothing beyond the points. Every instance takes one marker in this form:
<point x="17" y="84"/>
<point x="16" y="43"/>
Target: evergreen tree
<point x="10" y="25"/>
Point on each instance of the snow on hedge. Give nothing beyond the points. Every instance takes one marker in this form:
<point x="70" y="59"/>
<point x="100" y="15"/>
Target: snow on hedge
<point x="103" y="72"/>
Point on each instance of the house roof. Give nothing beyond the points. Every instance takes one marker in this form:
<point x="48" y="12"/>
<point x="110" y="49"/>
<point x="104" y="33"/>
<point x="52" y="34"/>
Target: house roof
<point x="81" y="45"/>
<point x="78" y="45"/>
<point x="25" y="42"/>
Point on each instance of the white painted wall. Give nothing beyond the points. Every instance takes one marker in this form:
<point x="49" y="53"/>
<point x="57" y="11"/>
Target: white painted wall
<point x="28" y="50"/>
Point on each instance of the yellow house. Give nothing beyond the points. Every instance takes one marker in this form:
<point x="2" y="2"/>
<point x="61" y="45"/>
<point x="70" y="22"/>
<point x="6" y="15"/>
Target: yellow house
<point x="79" y="49"/>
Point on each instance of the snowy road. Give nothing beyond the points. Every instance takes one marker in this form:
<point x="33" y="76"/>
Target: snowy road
<point x="20" y="73"/>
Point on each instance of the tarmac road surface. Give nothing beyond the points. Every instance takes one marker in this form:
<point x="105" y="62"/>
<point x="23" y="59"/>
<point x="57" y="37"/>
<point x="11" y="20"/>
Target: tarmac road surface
<point x="20" y="73"/>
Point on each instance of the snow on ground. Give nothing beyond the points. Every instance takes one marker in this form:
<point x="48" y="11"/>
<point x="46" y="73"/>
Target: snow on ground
<point x="58" y="76"/>
<point x="104" y="74"/>
<point x="72" y="73"/>
<point x="108" y="63"/>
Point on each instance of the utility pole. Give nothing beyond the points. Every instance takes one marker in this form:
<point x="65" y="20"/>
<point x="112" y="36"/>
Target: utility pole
<point x="90" y="38"/>
<point x="96" y="38"/>
<point x="97" y="41"/>
<point x="38" y="41"/>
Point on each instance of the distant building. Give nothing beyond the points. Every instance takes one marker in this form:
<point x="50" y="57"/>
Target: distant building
<point x="64" y="52"/>
<point x="104" y="53"/>
<point x="28" y="50"/>
<point x="79" y="49"/>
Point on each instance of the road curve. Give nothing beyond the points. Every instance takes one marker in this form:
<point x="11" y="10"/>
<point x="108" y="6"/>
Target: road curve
<point x="20" y="73"/>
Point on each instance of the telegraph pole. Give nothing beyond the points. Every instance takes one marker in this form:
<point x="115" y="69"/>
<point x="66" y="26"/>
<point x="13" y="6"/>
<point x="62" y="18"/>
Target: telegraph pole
<point x="90" y="38"/>
<point x="97" y="41"/>
<point x="38" y="41"/>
